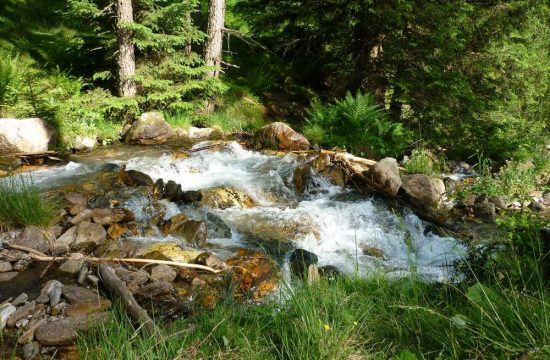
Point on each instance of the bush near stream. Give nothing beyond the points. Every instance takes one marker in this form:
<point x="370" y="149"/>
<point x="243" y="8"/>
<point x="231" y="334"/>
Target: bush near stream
<point x="491" y="314"/>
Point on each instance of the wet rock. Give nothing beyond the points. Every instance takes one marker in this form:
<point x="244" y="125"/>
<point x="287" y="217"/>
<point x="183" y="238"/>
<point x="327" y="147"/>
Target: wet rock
<point x="31" y="135"/>
<point x="107" y="216"/>
<point x="168" y="251"/>
<point x="116" y="231"/>
<point x="163" y="273"/>
<point x="5" y="266"/>
<point x="191" y="196"/>
<point x="321" y="162"/>
<point x="384" y="177"/>
<point x="211" y="260"/>
<point x="22" y="313"/>
<point x="485" y="211"/>
<point x="76" y="199"/>
<point x="372" y="251"/>
<point x="224" y="197"/>
<point x="423" y="191"/>
<point x="149" y="128"/>
<point x="279" y="136"/>
<point x="196" y="133"/>
<point x="30" y="350"/>
<point x="6" y="311"/>
<point x="35" y="238"/>
<point x="65" y="331"/>
<point x="133" y="178"/>
<point x="72" y="266"/>
<point x="195" y="232"/>
<point x="84" y="215"/>
<point x="7" y="276"/>
<point x="335" y="174"/>
<point x="89" y="235"/>
<point x="171" y="189"/>
<point x="20" y="300"/>
<point x="217" y="228"/>
<point x="255" y="272"/>
<point x="300" y="260"/>
<point x="301" y="177"/>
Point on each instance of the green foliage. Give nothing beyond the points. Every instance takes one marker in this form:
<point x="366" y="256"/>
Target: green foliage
<point x="8" y="79"/>
<point x="22" y="203"/>
<point x="423" y="161"/>
<point x="514" y="180"/>
<point x="356" y="123"/>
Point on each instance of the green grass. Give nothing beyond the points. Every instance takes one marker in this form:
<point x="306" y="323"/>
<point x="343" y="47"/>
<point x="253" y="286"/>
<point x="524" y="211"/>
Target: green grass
<point x="21" y="203"/>
<point x="423" y="161"/>
<point x="347" y="319"/>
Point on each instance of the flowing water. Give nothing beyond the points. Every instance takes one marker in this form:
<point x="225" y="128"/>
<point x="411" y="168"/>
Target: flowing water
<point x="335" y="223"/>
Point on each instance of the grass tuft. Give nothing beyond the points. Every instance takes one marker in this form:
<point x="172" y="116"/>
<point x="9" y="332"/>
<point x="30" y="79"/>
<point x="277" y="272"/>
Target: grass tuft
<point x="21" y="203"/>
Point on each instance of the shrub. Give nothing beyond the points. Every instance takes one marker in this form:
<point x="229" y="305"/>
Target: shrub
<point x="21" y="203"/>
<point x="8" y="79"/>
<point x="357" y="124"/>
<point x="423" y="162"/>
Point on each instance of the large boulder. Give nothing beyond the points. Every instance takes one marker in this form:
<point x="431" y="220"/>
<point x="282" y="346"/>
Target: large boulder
<point x="25" y="136"/>
<point x="423" y="191"/>
<point x="195" y="232"/>
<point x="149" y="128"/>
<point x="384" y="177"/>
<point x="168" y="251"/>
<point x="279" y="136"/>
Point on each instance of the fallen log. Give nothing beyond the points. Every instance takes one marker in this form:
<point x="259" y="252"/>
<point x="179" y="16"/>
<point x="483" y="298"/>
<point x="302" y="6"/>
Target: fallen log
<point x="38" y="256"/>
<point x="117" y="286"/>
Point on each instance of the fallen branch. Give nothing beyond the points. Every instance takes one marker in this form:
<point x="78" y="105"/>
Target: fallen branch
<point x="136" y="312"/>
<point x="38" y="256"/>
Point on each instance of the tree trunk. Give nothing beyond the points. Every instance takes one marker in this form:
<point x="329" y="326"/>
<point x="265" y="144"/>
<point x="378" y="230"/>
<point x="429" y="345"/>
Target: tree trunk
<point x="126" y="57"/>
<point x="213" y="47"/>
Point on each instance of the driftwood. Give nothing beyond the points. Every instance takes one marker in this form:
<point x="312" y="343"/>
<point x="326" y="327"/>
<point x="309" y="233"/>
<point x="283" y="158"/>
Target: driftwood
<point x="38" y="256"/>
<point x="119" y="288"/>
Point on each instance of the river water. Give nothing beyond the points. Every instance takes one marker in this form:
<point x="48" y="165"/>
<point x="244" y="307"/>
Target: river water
<point x="335" y="223"/>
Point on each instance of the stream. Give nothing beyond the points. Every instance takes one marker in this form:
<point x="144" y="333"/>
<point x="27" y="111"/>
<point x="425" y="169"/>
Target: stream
<point x="335" y="223"/>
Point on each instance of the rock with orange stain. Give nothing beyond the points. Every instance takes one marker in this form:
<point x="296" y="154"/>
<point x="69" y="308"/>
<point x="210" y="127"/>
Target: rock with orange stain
<point x="255" y="272"/>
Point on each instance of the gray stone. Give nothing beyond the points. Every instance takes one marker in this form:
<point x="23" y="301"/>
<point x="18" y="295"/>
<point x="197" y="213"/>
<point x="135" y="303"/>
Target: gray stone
<point x="149" y="128"/>
<point x="5" y="266"/>
<point x="65" y="331"/>
<point x="163" y="273"/>
<point x="7" y="276"/>
<point x="107" y="216"/>
<point x="55" y="296"/>
<point x="72" y="266"/>
<point x="21" y="265"/>
<point x="76" y="209"/>
<point x="485" y="211"/>
<point x="83" y="216"/>
<point x="20" y="300"/>
<point x="76" y="199"/>
<point x="22" y="313"/>
<point x="31" y="135"/>
<point x="84" y="143"/>
<point x="499" y="201"/>
<point x="89" y="235"/>
<point x="384" y="176"/>
<point x="35" y="238"/>
<point x="6" y="311"/>
<point x="93" y="280"/>
<point x="31" y="350"/>
<point x="42" y="299"/>
<point x="422" y="190"/>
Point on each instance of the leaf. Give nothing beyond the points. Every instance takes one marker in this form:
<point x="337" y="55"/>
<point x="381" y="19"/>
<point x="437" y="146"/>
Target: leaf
<point x="405" y="355"/>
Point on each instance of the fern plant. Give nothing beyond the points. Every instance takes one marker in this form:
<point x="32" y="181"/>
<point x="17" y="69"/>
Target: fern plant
<point x="357" y="124"/>
<point x="8" y="79"/>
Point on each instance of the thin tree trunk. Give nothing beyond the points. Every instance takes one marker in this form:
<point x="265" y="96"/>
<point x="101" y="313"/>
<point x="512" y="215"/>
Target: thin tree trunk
<point x="213" y="47"/>
<point x="126" y="57"/>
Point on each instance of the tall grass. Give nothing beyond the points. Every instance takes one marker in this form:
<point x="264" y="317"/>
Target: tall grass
<point x="21" y="203"/>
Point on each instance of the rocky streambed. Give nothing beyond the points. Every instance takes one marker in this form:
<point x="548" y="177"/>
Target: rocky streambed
<point x="241" y="212"/>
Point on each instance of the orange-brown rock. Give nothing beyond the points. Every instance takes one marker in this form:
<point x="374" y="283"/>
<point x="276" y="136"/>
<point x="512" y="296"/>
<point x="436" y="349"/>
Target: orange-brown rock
<point x="255" y="272"/>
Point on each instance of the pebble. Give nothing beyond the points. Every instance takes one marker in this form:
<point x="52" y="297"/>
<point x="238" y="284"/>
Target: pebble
<point x="5" y="266"/>
<point x="30" y="350"/>
<point x="20" y="300"/>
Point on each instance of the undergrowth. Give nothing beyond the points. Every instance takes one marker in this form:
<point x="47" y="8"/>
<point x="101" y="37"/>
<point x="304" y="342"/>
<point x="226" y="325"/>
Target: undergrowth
<point x="22" y="203"/>
<point x="356" y="318"/>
